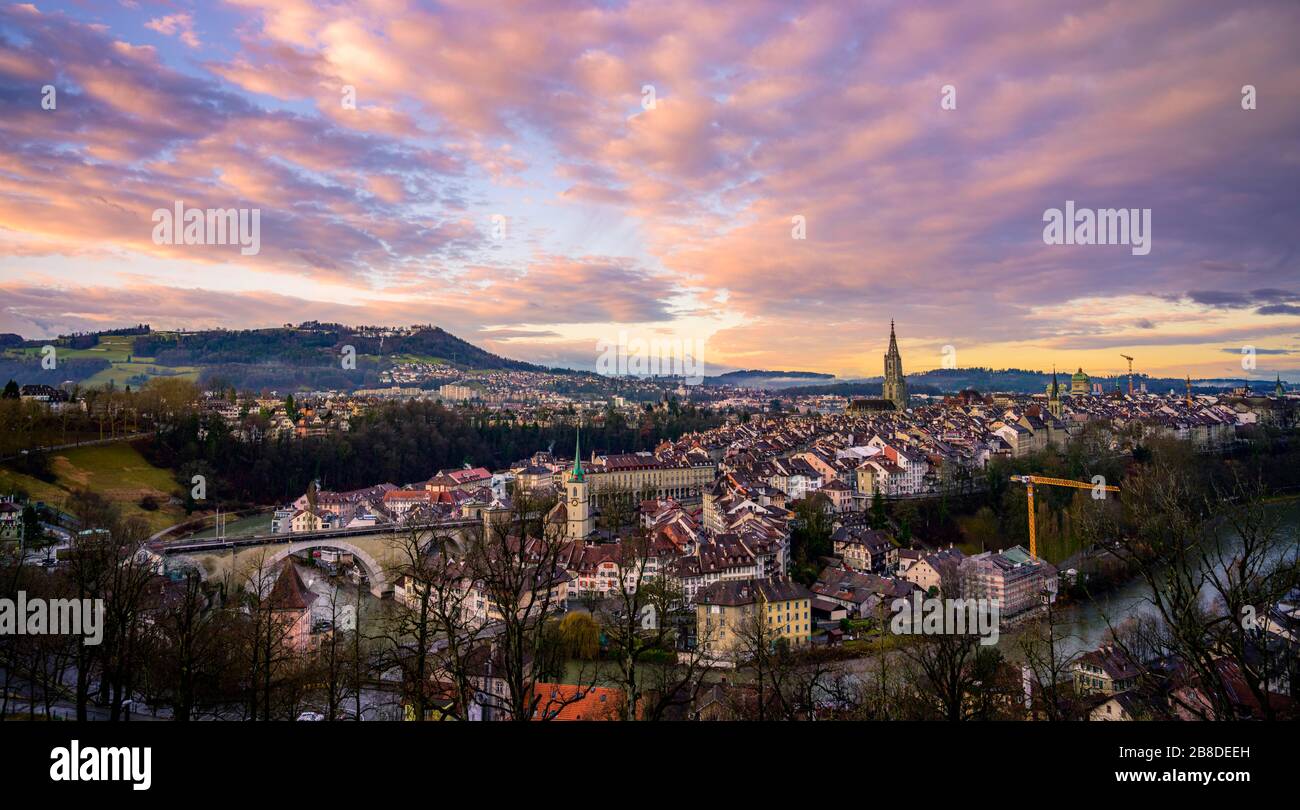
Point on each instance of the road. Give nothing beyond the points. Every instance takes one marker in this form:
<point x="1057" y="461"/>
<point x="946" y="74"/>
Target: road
<point x="66" y="710"/>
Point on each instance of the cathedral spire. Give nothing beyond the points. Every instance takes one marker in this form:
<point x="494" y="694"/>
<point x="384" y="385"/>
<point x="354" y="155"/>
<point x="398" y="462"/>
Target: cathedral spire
<point x="577" y="457"/>
<point x="895" y="387"/>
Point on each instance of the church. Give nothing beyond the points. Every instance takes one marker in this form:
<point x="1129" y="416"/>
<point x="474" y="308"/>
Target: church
<point x="574" y="509"/>
<point x="894" y="389"/>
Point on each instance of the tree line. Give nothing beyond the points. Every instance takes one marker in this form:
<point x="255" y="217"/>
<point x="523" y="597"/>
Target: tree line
<point x="393" y="442"/>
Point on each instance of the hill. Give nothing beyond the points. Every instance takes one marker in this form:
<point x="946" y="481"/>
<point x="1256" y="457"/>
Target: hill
<point x="756" y="378"/>
<point x="309" y="355"/>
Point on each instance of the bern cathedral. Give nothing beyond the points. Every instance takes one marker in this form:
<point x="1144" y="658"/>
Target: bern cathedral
<point x="895" y="387"/>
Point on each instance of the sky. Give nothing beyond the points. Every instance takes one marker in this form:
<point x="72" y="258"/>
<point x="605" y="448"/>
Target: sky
<point x="537" y="177"/>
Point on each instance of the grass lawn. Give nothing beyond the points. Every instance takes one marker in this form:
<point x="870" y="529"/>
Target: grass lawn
<point x="408" y="358"/>
<point x="871" y="644"/>
<point x="239" y="527"/>
<point x="35" y="488"/>
<point x="116" y="471"/>
<point x="121" y="373"/>
<point x="116" y="349"/>
<point x="112" y="348"/>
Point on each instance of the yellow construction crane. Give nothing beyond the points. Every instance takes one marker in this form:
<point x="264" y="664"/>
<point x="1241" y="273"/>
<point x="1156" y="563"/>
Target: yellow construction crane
<point x="1130" y="373"/>
<point x="1030" y="481"/>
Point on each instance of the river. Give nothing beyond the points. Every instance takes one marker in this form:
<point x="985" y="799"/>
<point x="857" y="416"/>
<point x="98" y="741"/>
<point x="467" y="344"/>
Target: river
<point x="1086" y="621"/>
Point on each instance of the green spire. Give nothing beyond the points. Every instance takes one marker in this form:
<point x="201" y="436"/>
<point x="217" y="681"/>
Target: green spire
<point x="577" y="457"/>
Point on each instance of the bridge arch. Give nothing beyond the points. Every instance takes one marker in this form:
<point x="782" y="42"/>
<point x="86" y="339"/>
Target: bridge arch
<point x="380" y="585"/>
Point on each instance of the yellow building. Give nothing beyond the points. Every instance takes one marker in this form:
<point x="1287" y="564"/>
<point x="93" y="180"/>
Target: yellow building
<point x="306" y="520"/>
<point x="1105" y="670"/>
<point x="642" y="474"/>
<point x="734" y="618"/>
<point x="1079" y="383"/>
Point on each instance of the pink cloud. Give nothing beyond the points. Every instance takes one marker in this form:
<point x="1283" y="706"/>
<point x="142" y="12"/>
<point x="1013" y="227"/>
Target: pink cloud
<point x="180" y="25"/>
<point x="764" y="111"/>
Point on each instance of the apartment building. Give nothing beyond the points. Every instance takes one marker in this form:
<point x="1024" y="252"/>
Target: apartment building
<point x="929" y="571"/>
<point x="732" y="616"/>
<point x="1018" y="582"/>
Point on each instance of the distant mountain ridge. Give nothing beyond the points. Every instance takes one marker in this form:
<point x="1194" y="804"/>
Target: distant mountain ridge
<point x="757" y="378"/>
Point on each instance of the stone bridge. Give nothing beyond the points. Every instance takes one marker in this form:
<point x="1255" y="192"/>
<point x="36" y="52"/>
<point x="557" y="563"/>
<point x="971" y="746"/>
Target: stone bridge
<point x="374" y="549"/>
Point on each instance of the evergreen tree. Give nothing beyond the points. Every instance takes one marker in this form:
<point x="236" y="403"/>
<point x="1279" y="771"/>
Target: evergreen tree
<point x="878" y="519"/>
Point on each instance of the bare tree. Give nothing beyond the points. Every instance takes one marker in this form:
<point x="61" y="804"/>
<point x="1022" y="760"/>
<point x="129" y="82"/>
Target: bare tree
<point x="763" y="652"/>
<point x="640" y="619"/>
<point x="1212" y="559"/>
<point x="40" y="661"/>
<point x="1049" y="661"/>
<point x="333" y="665"/>
<point x="264" y="637"/>
<point x="192" y="663"/>
<point x="515" y="560"/>
<point x="944" y="663"/>
<point x="108" y="561"/>
<point x="881" y="700"/>
<point x="431" y="629"/>
<point x="410" y="628"/>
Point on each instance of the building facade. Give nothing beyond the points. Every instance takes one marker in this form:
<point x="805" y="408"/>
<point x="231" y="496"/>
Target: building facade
<point x="733" y="616"/>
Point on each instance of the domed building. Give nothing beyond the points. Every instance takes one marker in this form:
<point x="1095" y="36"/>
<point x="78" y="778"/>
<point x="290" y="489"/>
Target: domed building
<point x="1079" y="383"/>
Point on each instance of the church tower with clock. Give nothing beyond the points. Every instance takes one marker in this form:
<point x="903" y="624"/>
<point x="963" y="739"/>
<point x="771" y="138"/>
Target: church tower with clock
<point x="578" y="499"/>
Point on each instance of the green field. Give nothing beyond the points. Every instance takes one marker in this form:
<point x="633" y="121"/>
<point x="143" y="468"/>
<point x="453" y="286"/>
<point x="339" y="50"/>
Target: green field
<point x="113" y="348"/>
<point x="238" y="527"/>
<point x="406" y="358"/>
<point x="125" y="368"/>
<point x="122" y="374"/>
<point x="115" y="471"/>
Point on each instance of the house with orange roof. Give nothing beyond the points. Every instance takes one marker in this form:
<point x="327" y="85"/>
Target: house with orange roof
<point x="562" y="701"/>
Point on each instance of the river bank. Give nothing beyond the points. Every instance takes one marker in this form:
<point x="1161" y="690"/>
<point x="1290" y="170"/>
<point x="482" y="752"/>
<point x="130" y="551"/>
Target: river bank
<point x="1086" y="621"/>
